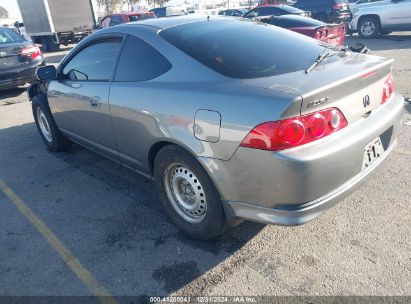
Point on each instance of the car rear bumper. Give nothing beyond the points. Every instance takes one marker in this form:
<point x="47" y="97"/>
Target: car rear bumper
<point x="294" y="186"/>
<point x="15" y="77"/>
<point x="301" y="214"/>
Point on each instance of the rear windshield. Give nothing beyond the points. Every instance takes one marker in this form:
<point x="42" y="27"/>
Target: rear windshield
<point x="141" y="17"/>
<point x="294" y="21"/>
<point x="9" y="36"/>
<point x="244" y="49"/>
<point x="290" y="9"/>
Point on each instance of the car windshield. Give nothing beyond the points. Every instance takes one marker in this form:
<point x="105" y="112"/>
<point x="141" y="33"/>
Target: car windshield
<point x="9" y="36"/>
<point x="244" y="49"/>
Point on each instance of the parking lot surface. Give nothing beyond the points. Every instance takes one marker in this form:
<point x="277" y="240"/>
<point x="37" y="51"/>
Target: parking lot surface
<point x="110" y="220"/>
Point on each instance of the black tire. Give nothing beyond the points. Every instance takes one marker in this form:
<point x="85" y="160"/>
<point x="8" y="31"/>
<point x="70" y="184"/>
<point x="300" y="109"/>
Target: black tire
<point x="56" y="141"/>
<point x="214" y="221"/>
<point x="372" y="30"/>
<point x="321" y="17"/>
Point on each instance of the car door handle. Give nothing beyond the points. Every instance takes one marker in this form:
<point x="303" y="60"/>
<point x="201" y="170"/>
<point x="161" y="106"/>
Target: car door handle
<point x="95" y="102"/>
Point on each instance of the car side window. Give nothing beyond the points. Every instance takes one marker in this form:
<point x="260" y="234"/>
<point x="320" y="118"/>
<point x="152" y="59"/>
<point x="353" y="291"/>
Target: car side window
<point x="95" y="62"/>
<point x="140" y="62"/>
<point x="160" y="12"/>
<point x="115" y="20"/>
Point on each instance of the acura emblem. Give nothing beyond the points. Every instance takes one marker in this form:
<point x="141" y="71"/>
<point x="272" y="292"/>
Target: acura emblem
<point x="3" y="54"/>
<point x="366" y="101"/>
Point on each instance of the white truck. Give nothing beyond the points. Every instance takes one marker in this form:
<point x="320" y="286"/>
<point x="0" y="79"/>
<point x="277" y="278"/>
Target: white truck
<point x="373" y="17"/>
<point x="54" y="22"/>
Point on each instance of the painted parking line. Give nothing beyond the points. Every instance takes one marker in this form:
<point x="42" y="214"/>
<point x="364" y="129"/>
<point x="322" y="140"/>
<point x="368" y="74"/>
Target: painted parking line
<point x="71" y="261"/>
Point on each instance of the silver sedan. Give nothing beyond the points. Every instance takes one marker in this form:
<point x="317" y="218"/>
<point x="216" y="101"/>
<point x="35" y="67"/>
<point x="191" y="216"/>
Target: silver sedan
<point x="232" y="118"/>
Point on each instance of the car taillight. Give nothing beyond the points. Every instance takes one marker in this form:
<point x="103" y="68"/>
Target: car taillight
<point x="296" y="131"/>
<point x="388" y="89"/>
<point x="32" y="52"/>
<point x="337" y="6"/>
<point x="321" y="34"/>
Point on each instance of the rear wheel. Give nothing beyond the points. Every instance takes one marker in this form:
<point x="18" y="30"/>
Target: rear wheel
<point x="368" y="27"/>
<point x="187" y="194"/>
<point x="46" y="125"/>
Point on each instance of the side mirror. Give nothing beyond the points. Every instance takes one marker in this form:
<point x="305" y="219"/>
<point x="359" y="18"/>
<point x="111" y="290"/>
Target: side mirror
<point x="47" y="72"/>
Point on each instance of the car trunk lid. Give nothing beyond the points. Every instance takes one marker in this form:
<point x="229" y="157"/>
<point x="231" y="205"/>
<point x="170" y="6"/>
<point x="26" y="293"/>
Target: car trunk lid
<point x="10" y="55"/>
<point x="346" y="84"/>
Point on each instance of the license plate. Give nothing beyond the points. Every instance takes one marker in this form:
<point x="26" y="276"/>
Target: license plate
<point x="8" y="62"/>
<point x="372" y="151"/>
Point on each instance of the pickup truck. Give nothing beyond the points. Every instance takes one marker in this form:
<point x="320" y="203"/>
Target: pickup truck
<point x="381" y="17"/>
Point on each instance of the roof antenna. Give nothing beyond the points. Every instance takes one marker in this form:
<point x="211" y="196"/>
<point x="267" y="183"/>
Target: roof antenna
<point x="208" y="17"/>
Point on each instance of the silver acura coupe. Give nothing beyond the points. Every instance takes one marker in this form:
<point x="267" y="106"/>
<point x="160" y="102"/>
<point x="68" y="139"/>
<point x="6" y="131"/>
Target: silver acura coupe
<point x="232" y="118"/>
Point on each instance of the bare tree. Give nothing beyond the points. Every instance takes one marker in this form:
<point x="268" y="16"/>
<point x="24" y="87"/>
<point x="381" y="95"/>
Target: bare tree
<point x="3" y="12"/>
<point x="130" y="3"/>
<point x="159" y="3"/>
<point x="110" y="5"/>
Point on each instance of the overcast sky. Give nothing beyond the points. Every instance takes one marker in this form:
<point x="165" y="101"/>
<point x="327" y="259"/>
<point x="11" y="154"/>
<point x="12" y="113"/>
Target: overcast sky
<point x="12" y="7"/>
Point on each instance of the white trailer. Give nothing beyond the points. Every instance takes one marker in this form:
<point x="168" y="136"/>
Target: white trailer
<point x="54" y="22"/>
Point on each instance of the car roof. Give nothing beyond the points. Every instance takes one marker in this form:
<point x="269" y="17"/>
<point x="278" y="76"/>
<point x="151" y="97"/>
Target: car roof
<point x="163" y="23"/>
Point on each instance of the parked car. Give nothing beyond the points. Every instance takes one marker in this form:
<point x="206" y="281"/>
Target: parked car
<point x="329" y="11"/>
<point x="275" y="10"/>
<point x="233" y="12"/>
<point x="19" y="59"/>
<point x="275" y="2"/>
<point x="381" y="17"/>
<point x="357" y="3"/>
<point x="333" y="34"/>
<point x="119" y="18"/>
<point x="168" y="11"/>
<point x="275" y="132"/>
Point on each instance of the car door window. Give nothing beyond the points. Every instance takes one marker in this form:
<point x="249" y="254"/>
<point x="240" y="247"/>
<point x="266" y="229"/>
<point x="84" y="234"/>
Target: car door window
<point x="139" y="61"/>
<point x="95" y="62"/>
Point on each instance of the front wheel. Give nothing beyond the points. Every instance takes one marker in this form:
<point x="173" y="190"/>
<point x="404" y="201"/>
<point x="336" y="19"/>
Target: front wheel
<point x="187" y="194"/>
<point x="368" y="27"/>
<point x="46" y="125"/>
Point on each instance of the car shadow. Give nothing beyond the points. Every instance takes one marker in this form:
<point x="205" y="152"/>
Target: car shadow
<point x="382" y="43"/>
<point x="112" y="219"/>
<point x="12" y="92"/>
